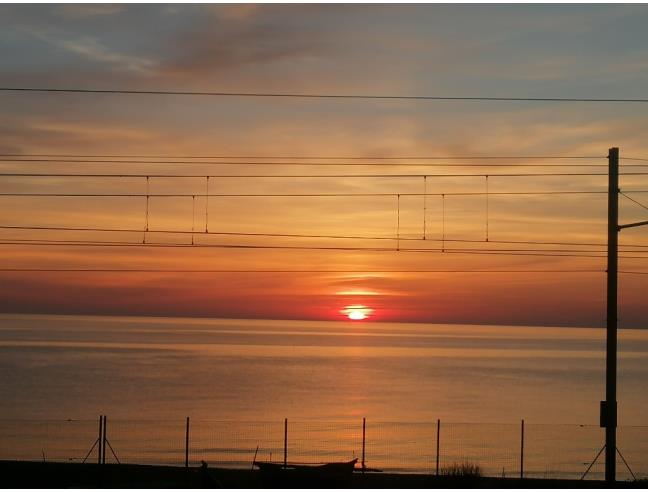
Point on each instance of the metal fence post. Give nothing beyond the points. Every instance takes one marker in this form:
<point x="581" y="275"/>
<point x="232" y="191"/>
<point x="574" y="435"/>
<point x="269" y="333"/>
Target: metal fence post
<point x="99" y="439"/>
<point x="285" y="442"/>
<point x="364" y="423"/>
<point x="522" y="450"/>
<point x="103" y="442"/>
<point x="437" y="445"/>
<point x="187" y="445"/>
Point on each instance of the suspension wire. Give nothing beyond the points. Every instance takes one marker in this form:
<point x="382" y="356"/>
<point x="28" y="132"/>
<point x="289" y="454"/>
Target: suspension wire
<point x="315" y="236"/>
<point x="304" y="176"/>
<point x="207" y="205"/>
<point x="424" y="206"/>
<point x="311" y="163"/>
<point x="318" y="96"/>
<point x="633" y="200"/>
<point x="297" y="195"/>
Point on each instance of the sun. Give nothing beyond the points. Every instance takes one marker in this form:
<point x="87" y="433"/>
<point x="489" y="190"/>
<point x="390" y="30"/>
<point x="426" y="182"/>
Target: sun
<point x="357" y="312"/>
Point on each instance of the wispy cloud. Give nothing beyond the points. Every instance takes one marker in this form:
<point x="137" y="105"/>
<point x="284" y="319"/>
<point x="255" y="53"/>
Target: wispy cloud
<point x="92" y="49"/>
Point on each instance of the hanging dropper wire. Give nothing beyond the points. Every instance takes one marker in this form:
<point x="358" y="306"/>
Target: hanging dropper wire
<point x="146" y="220"/>
<point x="398" y="222"/>
<point x="424" y="206"/>
<point x="193" y="217"/>
<point x="443" y="222"/>
<point x="486" y="208"/>
<point x="207" y="206"/>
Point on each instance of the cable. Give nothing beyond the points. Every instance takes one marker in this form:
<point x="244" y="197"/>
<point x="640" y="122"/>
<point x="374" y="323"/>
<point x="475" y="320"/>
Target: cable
<point x="309" y="236"/>
<point x="424" y="207"/>
<point x="312" y="164"/>
<point x="318" y="96"/>
<point x="318" y="248"/>
<point x="270" y="157"/>
<point x="392" y="175"/>
<point x="156" y="270"/>
<point x="510" y="252"/>
<point x="499" y="250"/>
<point x="297" y="195"/>
<point x="634" y="201"/>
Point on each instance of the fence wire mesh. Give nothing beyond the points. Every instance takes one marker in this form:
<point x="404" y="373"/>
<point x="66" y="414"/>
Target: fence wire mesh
<point x="550" y="450"/>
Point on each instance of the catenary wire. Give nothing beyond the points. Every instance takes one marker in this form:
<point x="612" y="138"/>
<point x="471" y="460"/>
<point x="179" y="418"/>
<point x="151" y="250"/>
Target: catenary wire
<point x="321" y="96"/>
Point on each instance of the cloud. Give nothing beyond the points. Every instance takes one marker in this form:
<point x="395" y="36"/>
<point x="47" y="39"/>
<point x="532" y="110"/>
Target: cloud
<point x="79" y="11"/>
<point x="218" y="45"/>
<point x="92" y="49"/>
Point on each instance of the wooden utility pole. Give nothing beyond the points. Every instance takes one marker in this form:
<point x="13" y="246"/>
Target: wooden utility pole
<point x="609" y="406"/>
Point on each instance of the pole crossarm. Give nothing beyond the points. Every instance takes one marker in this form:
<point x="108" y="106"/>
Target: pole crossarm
<point x="633" y="224"/>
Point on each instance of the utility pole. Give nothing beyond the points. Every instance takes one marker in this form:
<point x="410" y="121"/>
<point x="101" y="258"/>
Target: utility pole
<point x="609" y="406"/>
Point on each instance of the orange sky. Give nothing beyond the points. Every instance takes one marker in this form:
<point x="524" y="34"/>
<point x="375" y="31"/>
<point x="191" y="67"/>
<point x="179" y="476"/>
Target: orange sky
<point x="262" y="48"/>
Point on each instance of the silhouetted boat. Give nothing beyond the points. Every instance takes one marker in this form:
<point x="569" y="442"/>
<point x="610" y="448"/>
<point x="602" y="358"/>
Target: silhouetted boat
<point x="341" y="467"/>
<point x="304" y="473"/>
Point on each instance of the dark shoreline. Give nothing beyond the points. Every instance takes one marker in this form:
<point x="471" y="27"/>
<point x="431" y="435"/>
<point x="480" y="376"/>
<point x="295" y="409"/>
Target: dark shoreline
<point x="33" y="474"/>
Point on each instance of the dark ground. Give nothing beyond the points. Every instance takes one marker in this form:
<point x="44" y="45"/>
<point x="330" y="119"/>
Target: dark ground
<point x="26" y="474"/>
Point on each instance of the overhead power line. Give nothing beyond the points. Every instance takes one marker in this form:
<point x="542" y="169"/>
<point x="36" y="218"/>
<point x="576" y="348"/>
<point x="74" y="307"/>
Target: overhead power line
<point x="307" y="236"/>
<point x="304" y="157"/>
<point x="320" y="96"/>
<point x="303" y="176"/>
<point x="276" y="195"/>
<point x="509" y="252"/>
<point x="302" y="164"/>
<point x="162" y="270"/>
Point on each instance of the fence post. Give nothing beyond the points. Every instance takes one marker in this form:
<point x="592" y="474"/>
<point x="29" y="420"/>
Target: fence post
<point x="99" y="439"/>
<point x="364" y="422"/>
<point x="522" y="450"/>
<point x="437" y="445"/>
<point x="103" y="443"/>
<point x="187" y="445"/>
<point x="285" y="442"/>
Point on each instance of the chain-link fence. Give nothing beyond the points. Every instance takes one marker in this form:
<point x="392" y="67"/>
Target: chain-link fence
<point x="506" y="450"/>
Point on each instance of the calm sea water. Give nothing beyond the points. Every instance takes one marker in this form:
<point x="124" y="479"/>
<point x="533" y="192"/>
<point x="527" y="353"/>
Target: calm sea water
<point x="326" y="375"/>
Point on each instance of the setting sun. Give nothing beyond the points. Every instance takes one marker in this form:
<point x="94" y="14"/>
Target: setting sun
<point x="357" y="312"/>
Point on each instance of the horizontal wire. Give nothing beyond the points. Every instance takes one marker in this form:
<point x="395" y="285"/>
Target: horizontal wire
<point x="318" y="96"/>
<point x="547" y="253"/>
<point x="297" y="195"/>
<point x="156" y="270"/>
<point x="632" y="273"/>
<point x="290" y="157"/>
<point x="306" y="236"/>
<point x="120" y="243"/>
<point x="312" y="164"/>
<point x="643" y="159"/>
<point x="418" y="175"/>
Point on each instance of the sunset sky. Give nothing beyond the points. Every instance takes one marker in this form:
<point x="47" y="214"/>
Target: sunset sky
<point x="584" y="51"/>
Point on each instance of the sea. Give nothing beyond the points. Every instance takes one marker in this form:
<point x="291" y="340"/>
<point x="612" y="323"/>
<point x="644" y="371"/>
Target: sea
<point x="501" y="397"/>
